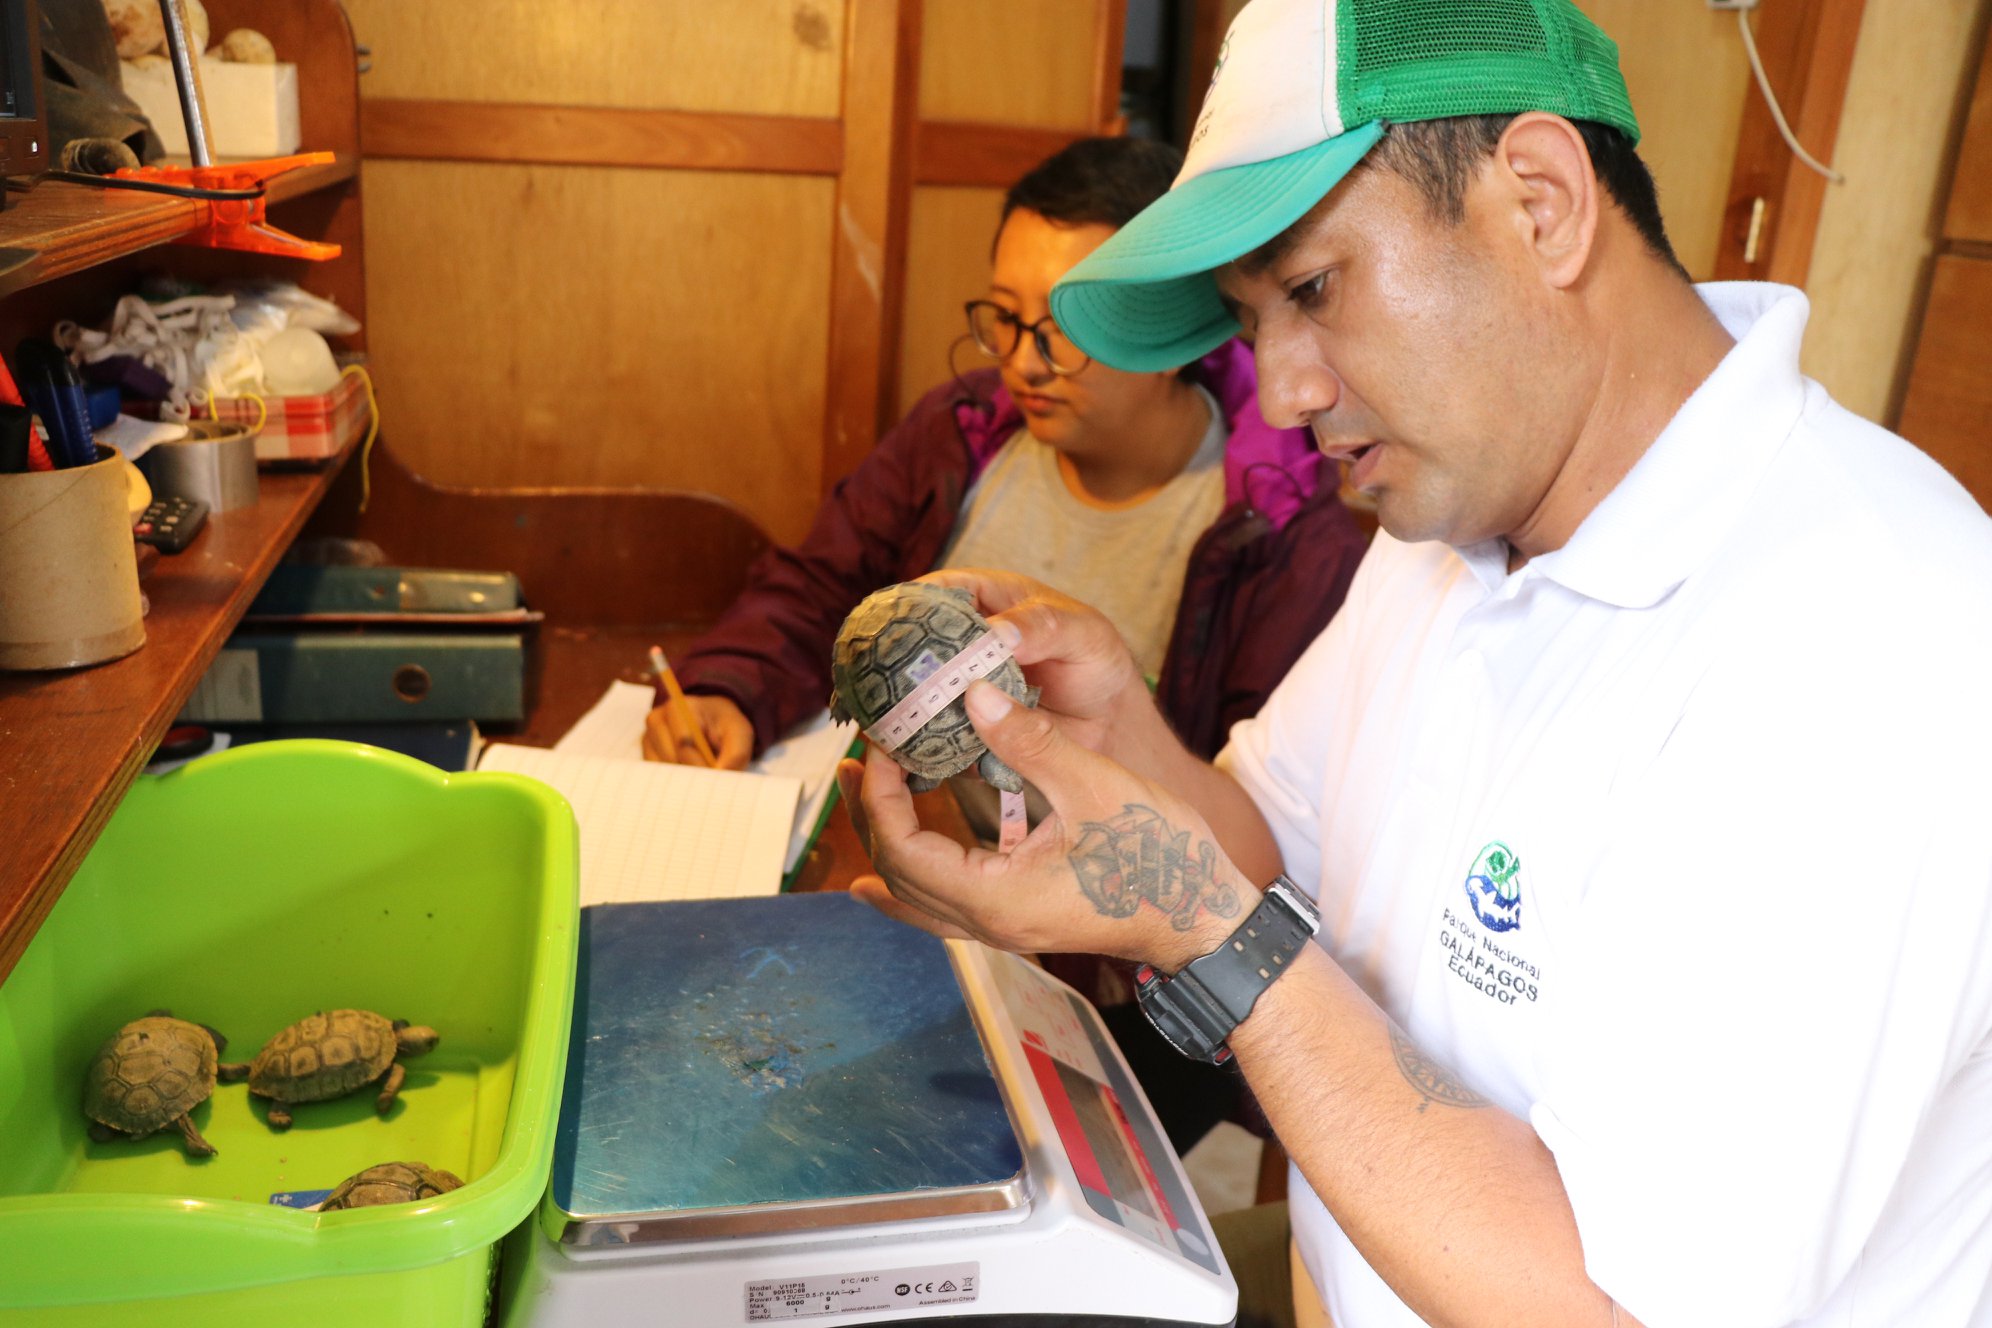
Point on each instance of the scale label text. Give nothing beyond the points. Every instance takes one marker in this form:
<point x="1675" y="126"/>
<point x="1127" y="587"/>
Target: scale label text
<point x="863" y="1293"/>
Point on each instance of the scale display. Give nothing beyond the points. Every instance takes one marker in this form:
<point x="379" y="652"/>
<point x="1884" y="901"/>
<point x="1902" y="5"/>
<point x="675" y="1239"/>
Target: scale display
<point x="1115" y="1152"/>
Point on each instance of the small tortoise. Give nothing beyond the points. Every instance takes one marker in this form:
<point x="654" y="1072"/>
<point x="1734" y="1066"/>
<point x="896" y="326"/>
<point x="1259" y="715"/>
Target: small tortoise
<point x="152" y="1073"/>
<point x="894" y="641"/>
<point x="388" y="1183"/>
<point x="329" y="1054"/>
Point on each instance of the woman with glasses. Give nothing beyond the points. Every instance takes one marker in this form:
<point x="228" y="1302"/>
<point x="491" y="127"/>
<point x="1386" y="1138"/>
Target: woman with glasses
<point x="1215" y="542"/>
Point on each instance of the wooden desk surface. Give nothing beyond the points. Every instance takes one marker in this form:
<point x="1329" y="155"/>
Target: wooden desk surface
<point x="576" y="666"/>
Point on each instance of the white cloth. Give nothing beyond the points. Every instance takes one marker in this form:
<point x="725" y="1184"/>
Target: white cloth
<point x="1735" y="967"/>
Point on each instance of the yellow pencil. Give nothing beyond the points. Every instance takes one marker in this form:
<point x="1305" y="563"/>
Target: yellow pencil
<point x="688" y="720"/>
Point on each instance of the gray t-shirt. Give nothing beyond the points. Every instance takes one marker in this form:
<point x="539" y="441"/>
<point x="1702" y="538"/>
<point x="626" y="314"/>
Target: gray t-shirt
<point x="1126" y="562"/>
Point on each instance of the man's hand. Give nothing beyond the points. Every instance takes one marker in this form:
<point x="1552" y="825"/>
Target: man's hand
<point x="1120" y="867"/>
<point x="726" y="729"/>
<point x="1071" y="651"/>
<point x="1089" y="680"/>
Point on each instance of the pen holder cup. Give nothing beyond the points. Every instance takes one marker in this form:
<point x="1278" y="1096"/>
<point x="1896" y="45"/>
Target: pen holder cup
<point x="68" y="572"/>
<point x="215" y="463"/>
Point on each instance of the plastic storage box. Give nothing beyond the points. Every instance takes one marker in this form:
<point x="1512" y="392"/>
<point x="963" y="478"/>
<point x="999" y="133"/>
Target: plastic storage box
<point x="302" y="428"/>
<point x="244" y="891"/>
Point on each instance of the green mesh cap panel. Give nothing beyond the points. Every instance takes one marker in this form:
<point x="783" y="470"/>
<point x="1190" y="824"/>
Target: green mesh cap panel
<point x="1428" y="59"/>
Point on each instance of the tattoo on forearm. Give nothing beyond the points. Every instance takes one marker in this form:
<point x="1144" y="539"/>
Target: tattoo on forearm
<point x="1434" y="1082"/>
<point x="1138" y="857"/>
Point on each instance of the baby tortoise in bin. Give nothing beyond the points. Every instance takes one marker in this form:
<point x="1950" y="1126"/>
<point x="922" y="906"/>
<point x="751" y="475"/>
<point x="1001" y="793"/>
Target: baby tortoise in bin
<point x="390" y="1183"/>
<point x="152" y="1073"/>
<point x="894" y="641"/>
<point x="331" y="1053"/>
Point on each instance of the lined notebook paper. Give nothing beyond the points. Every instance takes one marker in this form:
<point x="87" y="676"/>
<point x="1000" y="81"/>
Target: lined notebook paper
<point x="652" y="831"/>
<point x="613" y="728"/>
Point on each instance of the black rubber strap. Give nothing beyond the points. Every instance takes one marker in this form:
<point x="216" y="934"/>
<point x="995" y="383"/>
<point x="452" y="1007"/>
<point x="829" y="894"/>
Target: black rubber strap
<point x="1243" y="967"/>
<point x="1198" y="1008"/>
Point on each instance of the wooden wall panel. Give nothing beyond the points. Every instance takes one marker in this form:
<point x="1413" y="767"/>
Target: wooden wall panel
<point x="1908" y="92"/>
<point x="1002" y="86"/>
<point x="1018" y="62"/>
<point x="1685" y="67"/>
<point x="411" y="128"/>
<point x="947" y="264"/>
<point x="1950" y="393"/>
<point x="501" y="128"/>
<point x="766" y="57"/>
<point x="1969" y="216"/>
<point x="868" y="248"/>
<point x="538" y="325"/>
<point x="1775" y="196"/>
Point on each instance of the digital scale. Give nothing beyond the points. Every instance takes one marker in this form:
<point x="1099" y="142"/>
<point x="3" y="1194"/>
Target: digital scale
<point x="795" y="1109"/>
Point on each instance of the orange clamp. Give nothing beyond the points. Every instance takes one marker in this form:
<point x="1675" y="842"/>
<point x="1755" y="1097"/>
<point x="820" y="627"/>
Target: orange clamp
<point x="239" y="223"/>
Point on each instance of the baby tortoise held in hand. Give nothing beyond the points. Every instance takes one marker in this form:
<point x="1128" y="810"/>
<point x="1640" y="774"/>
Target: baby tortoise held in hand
<point x="151" y="1074"/>
<point x="897" y="639"/>
<point x="329" y="1054"/>
<point x="389" y="1183"/>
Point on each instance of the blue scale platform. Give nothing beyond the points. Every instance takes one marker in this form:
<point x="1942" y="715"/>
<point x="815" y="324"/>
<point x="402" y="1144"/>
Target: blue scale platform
<point x="761" y="1064"/>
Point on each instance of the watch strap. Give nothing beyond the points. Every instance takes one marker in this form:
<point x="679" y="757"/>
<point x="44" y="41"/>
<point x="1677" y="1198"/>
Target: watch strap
<point x="1196" y="1010"/>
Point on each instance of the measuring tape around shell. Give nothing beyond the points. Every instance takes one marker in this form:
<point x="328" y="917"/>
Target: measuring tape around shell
<point x="979" y="659"/>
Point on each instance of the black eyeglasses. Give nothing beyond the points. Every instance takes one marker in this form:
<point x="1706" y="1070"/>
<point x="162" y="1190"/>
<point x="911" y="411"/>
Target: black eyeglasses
<point x="997" y="332"/>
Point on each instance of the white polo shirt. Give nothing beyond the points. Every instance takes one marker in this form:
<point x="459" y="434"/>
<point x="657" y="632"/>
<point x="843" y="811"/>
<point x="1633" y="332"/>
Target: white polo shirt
<point x="1677" y="843"/>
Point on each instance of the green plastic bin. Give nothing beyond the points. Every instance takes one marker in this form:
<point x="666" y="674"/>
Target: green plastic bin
<point x="244" y="891"/>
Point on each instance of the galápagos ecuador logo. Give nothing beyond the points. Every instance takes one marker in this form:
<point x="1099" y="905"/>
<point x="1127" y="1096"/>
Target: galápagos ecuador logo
<point x="1494" y="887"/>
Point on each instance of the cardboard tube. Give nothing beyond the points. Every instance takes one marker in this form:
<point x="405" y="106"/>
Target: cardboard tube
<point x="68" y="574"/>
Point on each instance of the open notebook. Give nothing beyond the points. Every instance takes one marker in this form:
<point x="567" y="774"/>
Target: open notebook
<point x="653" y="831"/>
<point x="613" y="729"/>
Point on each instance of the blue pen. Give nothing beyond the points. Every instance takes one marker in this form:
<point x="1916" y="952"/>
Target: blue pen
<point x="55" y="390"/>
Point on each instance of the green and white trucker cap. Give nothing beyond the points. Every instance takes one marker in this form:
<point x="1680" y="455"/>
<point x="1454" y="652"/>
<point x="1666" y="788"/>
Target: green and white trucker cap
<point x="1302" y="89"/>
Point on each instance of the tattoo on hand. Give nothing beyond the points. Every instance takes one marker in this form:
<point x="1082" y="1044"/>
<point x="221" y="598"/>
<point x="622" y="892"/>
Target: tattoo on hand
<point x="1137" y="856"/>
<point x="1434" y="1082"/>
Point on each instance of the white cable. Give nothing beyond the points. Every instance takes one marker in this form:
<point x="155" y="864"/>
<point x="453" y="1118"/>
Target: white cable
<point x="1771" y="99"/>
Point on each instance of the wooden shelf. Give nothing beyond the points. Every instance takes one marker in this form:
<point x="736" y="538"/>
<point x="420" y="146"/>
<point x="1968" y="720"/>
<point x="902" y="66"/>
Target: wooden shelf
<point x="59" y="228"/>
<point x="75" y="740"/>
<point x="71" y="743"/>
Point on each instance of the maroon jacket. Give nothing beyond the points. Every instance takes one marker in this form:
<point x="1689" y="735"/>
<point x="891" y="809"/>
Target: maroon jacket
<point x="1261" y="583"/>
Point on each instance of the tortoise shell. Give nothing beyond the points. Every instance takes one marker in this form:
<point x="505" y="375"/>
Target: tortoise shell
<point x="894" y="641"/>
<point x="390" y="1182"/>
<point x="323" y="1056"/>
<point x="150" y="1073"/>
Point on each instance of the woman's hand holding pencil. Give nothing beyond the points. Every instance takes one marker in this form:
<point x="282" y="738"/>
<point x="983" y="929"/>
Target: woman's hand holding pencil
<point x="695" y="730"/>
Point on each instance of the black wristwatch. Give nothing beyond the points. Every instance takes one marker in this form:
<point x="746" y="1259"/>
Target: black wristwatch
<point x="1196" y="1010"/>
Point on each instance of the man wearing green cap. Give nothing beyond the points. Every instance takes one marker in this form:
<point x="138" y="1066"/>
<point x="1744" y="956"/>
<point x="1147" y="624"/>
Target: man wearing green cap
<point x="1638" y="790"/>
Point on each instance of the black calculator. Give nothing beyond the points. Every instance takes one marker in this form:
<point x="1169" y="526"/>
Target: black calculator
<point x="169" y="523"/>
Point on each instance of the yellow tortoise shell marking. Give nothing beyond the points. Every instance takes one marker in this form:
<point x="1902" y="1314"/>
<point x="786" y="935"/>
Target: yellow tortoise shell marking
<point x="324" y="1056"/>
<point x="150" y="1073"/>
